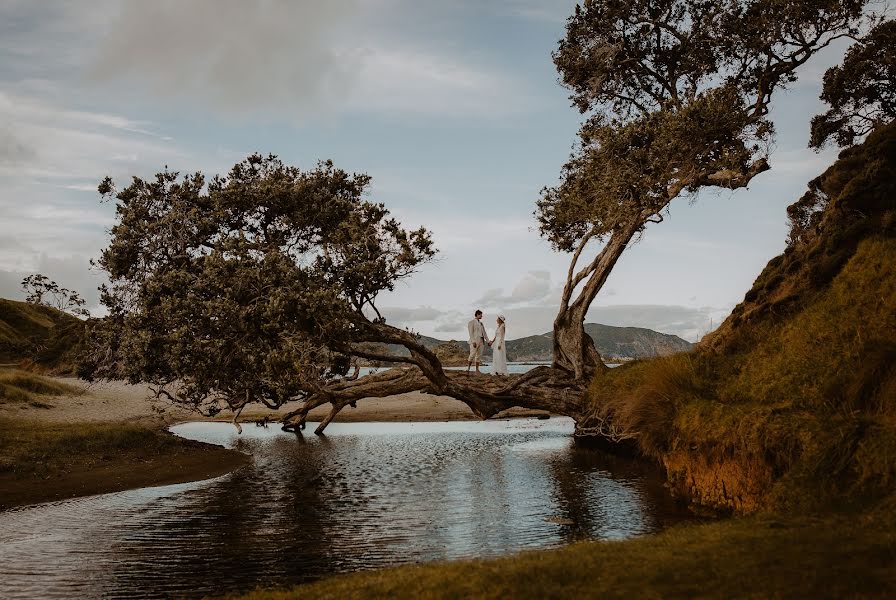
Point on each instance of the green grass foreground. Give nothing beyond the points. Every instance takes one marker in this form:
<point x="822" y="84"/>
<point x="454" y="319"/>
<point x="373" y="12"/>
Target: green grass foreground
<point x="760" y="557"/>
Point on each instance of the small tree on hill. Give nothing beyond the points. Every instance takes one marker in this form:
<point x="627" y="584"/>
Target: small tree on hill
<point x="40" y="289"/>
<point x="861" y="91"/>
<point x="862" y="95"/>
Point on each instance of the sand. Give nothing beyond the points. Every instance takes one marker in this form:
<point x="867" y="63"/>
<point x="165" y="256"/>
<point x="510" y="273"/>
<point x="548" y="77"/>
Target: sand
<point x="119" y="402"/>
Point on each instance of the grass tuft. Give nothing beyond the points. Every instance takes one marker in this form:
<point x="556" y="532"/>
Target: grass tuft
<point x="29" y="449"/>
<point x="22" y="387"/>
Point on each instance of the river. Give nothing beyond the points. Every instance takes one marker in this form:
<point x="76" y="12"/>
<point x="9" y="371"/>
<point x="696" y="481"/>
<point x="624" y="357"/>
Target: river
<point x="367" y="495"/>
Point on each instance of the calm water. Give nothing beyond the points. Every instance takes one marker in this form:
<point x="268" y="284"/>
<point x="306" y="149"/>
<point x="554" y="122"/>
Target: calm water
<point x="365" y="496"/>
<point x="512" y="368"/>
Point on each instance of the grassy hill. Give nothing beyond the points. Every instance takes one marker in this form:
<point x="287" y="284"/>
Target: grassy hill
<point x="792" y="401"/>
<point x="42" y="334"/>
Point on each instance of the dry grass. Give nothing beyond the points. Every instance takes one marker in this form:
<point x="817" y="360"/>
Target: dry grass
<point x="47" y="337"/>
<point x="22" y="387"/>
<point x="30" y="449"/>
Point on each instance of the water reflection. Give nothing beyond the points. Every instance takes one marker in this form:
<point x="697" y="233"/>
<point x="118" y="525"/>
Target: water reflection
<point x="365" y="496"/>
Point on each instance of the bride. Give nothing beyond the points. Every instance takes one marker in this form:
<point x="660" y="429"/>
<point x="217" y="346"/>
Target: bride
<point x="499" y="349"/>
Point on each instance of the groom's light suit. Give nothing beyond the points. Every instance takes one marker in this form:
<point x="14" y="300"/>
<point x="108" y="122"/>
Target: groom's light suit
<point x="478" y="339"/>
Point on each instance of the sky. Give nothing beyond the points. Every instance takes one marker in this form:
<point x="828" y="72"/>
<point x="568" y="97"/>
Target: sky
<point x="453" y="108"/>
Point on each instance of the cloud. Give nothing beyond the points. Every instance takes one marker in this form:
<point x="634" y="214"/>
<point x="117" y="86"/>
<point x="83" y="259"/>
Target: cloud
<point x="425" y="319"/>
<point x="686" y="322"/>
<point x="73" y="144"/>
<point x="534" y="286"/>
<point x="298" y="59"/>
<point x="50" y="155"/>
<point x="410" y="315"/>
<point x="13" y="151"/>
<point x="555" y="12"/>
<point x="452" y="326"/>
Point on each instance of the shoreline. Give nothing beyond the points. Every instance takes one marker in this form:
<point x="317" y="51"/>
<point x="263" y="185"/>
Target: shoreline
<point x="121" y="409"/>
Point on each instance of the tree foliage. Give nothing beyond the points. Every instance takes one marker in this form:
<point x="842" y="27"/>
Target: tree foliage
<point x="861" y="91"/>
<point x="252" y="288"/>
<point x="677" y="93"/>
<point x="40" y="289"/>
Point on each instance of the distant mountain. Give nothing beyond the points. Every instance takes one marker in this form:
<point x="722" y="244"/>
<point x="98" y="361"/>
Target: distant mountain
<point x="612" y="342"/>
<point x="625" y="343"/>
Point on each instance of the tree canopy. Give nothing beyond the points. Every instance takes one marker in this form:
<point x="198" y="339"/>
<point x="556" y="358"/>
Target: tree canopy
<point x="677" y="96"/>
<point x="250" y="288"/>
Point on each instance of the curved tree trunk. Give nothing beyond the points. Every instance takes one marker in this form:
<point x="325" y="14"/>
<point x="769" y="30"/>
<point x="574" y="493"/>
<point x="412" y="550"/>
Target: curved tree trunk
<point x="559" y="389"/>
<point x="574" y="350"/>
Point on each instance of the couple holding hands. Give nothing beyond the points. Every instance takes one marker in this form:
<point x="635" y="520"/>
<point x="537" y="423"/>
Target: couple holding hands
<point x="479" y="339"/>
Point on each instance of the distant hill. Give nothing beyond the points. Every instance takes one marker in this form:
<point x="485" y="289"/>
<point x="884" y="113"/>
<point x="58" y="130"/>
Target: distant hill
<point x="50" y="337"/>
<point x="41" y="333"/>
<point x="612" y="342"/>
<point x="620" y="343"/>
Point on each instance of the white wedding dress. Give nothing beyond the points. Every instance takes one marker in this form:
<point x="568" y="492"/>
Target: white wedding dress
<point x="499" y="353"/>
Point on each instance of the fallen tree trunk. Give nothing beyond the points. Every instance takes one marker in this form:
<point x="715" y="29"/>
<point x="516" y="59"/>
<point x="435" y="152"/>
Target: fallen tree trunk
<point x="559" y="389"/>
<point x="543" y="388"/>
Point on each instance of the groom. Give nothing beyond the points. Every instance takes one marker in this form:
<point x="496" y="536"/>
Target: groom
<point x="478" y="340"/>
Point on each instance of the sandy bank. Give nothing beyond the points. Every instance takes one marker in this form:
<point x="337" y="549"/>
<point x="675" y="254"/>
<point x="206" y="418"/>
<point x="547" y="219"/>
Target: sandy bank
<point x="122" y="403"/>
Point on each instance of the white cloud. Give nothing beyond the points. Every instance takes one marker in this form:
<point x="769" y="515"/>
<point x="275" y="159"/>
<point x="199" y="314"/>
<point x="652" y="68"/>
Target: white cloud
<point x="294" y="59"/>
<point x="534" y="286"/>
<point x="13" y="150"/>
<point x="74" y="144"/>
<point x="407" y="81"/>
<point x="454" y="327"/>
<point x="554" y="11"/>
<point x="51" y="159"/>
<point x="690" y="323"/>
<point x="397" y="314"/>
<point x="72" y="272"/>
<point x="686" y="322"/>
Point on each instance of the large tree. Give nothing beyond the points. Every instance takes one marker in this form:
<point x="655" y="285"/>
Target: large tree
<point x="262" y="287"/>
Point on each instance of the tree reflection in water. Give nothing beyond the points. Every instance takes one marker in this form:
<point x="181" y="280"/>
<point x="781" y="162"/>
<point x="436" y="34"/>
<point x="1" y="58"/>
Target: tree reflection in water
<point x="367" y="496"/>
